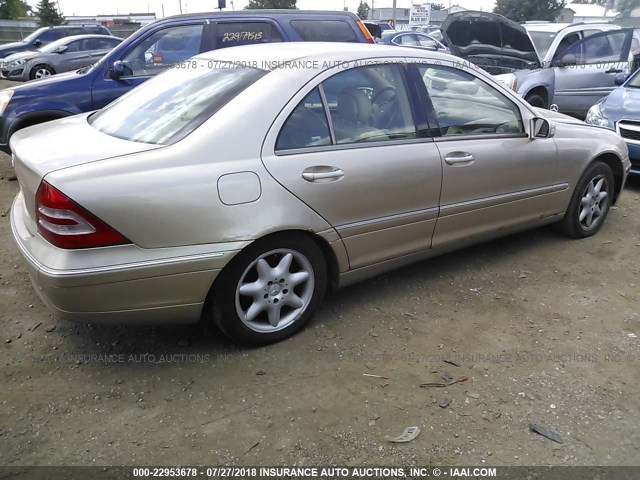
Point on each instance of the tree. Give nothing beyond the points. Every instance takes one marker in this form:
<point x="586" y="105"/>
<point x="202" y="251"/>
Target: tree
<point x="254" y="4"/>
<point x="48" y="14"/>
<point x="521" y="10"/>
<point x="626" y="6"/>
<point x="437" y="6"/>
<point x="13" y="9"/>
<point x="363" y="10"/>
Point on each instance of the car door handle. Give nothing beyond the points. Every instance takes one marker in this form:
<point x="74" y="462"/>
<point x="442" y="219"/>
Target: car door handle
<point x="459" y="158"/>
<point x="614" y="70"/>
<point x="314" y="174"/>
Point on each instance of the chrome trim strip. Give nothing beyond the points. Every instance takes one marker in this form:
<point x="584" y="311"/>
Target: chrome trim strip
<point x="125" y="266"/>
<point x="627" y="125"/>
<point x="351" y="146"/>
<point x="493" y="136"/>
<point x="468" y="206"/>
<point x="391" y="221"/>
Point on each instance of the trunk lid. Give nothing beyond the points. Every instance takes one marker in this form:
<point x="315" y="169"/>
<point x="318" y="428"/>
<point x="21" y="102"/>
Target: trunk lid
<point x="64" y="143"/>
<point x="491" y="41"/>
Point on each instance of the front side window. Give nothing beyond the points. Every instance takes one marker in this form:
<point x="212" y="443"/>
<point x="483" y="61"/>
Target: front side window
<point x="465" y="105"/>
<point x="324" y="30"/>
<point x="162" y="49"/>
<point x="76" y="46"/>
<point x="369" y="104"/>
<point x="167" y="108"/>
<point x="307" y="125"/>
<point x="606" y="47"/>
<point x="245" y="33"/>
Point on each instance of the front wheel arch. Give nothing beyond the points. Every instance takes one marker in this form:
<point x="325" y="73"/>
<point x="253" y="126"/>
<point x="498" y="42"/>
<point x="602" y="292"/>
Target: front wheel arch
<point x="614" y="162"/>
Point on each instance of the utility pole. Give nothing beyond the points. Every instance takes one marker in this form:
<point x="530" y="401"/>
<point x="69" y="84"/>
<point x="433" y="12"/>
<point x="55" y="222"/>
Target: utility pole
<point x="180" y="2"/>
<point x="393" y="15"/>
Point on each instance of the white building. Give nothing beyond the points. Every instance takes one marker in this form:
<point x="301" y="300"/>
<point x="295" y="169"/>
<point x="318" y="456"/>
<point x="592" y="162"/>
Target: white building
<point x="584" y="12"/>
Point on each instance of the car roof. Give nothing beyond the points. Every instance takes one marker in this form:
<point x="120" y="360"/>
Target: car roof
<point x="556" y="27"/>
<point x="89" y="35"/>
<point x="266" y="54"/>
<point x="262" y="13"/>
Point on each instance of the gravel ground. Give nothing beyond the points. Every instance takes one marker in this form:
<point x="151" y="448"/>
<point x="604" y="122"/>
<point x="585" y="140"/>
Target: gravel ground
<point x="543" y="327"/>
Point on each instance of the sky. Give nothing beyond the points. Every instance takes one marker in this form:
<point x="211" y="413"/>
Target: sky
<point x="172" y="7"/>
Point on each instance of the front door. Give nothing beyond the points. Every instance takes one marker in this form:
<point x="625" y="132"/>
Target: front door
<point x="494" y="176"/>
<point x="350" y="151"/>
<point x="153" y="54"/>
<point x="586" y="71"/>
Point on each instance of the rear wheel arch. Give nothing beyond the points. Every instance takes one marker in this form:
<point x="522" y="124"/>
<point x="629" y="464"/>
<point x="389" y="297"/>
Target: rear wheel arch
<point x="329" y="256"/>
<point x="36" y="118"/>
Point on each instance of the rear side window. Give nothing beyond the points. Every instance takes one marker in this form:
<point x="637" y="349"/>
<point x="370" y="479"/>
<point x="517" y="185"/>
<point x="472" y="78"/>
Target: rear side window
<point x="324" y="30"/>
<point x="169" y="107"/>
<point x="307" y="125"/>
<point x="245" y="33"/>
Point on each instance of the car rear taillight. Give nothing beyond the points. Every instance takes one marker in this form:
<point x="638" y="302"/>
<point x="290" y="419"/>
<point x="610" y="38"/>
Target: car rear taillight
<point x="366" y="32"/>
<point x="65" y="224"/>
<point x="158" y="57"/>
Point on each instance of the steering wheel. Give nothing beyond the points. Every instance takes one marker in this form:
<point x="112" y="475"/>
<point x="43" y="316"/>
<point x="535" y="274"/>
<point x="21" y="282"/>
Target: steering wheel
<point x="385" y="107"/>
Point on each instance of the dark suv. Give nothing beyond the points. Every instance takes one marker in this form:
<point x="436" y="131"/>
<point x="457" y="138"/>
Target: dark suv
<point x="157" y="47"/>
<point x="46" y="35"/>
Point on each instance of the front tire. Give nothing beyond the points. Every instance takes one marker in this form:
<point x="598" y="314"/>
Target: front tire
<point x="41" y="71"/>
<point x="270" y="290"/>
<point x="590" y="202"/>
<point x="536" y="100"/>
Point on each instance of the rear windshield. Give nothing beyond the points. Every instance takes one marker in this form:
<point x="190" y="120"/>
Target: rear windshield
<point x="170" y="106"/>
<point x="324" y="30"/>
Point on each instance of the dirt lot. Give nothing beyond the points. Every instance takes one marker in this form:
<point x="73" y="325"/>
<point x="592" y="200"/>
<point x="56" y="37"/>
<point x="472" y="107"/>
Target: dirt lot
<point x="543" y="327"/>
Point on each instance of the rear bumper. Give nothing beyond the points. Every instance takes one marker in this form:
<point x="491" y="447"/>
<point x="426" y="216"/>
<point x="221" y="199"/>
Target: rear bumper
<point x="120" y="285"/>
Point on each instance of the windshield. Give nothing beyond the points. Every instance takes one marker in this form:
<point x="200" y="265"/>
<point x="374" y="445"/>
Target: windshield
<point x="170" y="106"/>
<point x="634" y="81"/>
<point x="33" y="36"/>
<point x="542" y="41"/>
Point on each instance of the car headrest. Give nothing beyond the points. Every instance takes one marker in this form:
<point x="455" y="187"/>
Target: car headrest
<point x="354" y="106"/>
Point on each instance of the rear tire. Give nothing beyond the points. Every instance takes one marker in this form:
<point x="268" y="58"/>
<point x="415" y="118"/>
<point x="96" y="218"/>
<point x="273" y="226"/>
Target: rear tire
<point x="590" y="202"/>
<point x="536" y="100"/>
<point x="41" y="71"/>
<point x="270" y="290"/>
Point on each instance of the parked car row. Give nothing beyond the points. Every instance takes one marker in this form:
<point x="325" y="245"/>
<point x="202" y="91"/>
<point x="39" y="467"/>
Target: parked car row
<point x="64" y="55"/>
<point x="154" y="49"/>
<point x="163" y="206"/>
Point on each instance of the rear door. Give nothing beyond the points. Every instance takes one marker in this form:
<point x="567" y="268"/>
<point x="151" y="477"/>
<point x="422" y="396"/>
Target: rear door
<point x="585" y="72"/>
<point x="347" y="146"/>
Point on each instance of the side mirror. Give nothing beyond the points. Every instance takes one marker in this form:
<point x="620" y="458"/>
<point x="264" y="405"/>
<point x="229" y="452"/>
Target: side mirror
<point x="117" y="70"/>
<point x="62" y="49"/>
<point x="569" y="60"/>
<point x="540" y="128"/>
<point x="621" y="78"/>
<point x="37" y="42"/>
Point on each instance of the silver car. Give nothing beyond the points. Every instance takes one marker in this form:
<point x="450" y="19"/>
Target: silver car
<point x="244" y="183"/>
<point x="64" y="55"/>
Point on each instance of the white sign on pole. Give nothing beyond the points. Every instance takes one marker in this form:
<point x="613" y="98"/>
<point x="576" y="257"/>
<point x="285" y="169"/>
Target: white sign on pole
<point x="420" y="15"/>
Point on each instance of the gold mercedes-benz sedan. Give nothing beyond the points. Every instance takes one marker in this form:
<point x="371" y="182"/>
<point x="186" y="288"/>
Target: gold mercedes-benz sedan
<point x="244" y="183"/>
